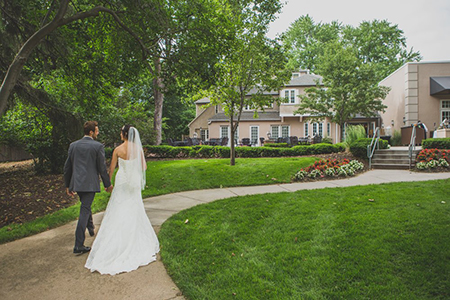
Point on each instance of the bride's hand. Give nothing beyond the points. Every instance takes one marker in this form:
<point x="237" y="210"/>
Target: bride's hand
<point x="109" y="189"/>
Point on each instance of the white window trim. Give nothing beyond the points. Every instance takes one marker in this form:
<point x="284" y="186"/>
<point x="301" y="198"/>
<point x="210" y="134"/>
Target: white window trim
<point x="289" y="130"/>
<point x="257" y="133"/>
<point x="283" y="94"/>
<point x="442" y="109"/>
<point x="228" y="131"/>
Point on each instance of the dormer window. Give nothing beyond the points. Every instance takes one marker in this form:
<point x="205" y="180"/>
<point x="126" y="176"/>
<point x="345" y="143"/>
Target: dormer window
<point x="289" y="95"/>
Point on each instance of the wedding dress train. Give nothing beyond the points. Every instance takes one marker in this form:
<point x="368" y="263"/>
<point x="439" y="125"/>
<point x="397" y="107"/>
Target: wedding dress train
<point x="126" y="239"/>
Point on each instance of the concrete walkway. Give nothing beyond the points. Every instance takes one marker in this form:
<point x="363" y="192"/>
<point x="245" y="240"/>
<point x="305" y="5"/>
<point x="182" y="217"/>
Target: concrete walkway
<point x="43" y="266"/>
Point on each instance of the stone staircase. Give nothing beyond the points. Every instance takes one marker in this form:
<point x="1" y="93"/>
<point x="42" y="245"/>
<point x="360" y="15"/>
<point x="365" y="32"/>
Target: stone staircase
<point x="394" y="158"/>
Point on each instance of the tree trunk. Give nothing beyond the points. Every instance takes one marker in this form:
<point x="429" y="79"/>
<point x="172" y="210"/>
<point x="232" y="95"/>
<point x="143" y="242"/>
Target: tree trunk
<point x="231" y="139"/>
<point x="21" y="58"/>
<point x="158" y="87"/>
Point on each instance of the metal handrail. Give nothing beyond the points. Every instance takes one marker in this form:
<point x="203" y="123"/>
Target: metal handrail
<point x="412" y="145"/>
<point x="370" y="151"/>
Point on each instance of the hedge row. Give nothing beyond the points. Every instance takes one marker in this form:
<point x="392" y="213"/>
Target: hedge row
<point x="224" y="152"/>
<point x="441" y="143"/>
<point x="359" y="147"/>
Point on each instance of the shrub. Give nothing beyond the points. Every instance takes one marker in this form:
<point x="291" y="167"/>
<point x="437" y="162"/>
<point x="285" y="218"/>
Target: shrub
<point x="441" y="143"/>
<point x="164" y="151"/>
<point x="327" y="140"/>
<point x="277" y="145"/>
<point x="396" y="139"/>
<point x="359" y="147"/>
<point x="354" y="133"/>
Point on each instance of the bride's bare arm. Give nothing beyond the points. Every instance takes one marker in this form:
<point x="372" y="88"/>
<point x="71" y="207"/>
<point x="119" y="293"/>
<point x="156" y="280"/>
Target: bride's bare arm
<point x="144" y="164"/>
<point x="113" y="165"/>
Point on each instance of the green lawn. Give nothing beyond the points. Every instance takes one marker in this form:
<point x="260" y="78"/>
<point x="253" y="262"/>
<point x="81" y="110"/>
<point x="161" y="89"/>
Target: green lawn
<point x="164" y="177"/>
<point x="315" y="244"/>
<point x="170" y="176"/>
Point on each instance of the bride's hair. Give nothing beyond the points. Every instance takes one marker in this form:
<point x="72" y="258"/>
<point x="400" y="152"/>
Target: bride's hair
<point x="125" y="130"/>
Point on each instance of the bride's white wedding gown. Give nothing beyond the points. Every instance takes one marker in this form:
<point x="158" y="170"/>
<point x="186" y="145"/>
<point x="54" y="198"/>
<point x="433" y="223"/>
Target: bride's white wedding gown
<point x="126" y="239"/>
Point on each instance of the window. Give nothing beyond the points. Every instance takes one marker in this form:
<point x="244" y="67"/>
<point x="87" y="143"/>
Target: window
<point x="328" y="129"/>
<point x="204" y="134"/>
<point x="279" y="131"/>
<point x="317" y="129"/>
<point x="445" y="110"/>
<point x="223" y="131"/>
<point x="254" y="134"/>
<point x="290" y="96"/>
<point x="217" y="109"/>
<point x="306" y="129"/>
<point x="314" y="129"/>
<point x="284" y="131"/>
<point x="274" y="131"/>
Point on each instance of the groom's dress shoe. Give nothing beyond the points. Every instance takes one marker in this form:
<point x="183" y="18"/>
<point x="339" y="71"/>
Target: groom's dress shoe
<point x="82" y="249"/>
<point x="91" y="231"/>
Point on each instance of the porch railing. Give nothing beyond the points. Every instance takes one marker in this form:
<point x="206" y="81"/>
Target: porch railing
<point x="373" y="145"/>
<point x="412" y="145"/>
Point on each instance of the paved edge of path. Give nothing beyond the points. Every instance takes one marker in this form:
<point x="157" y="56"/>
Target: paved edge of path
<point x="43" y="266"/>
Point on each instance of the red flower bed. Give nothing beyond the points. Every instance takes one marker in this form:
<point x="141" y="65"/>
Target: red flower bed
<point x="427" y="155"/>
<point x="322" y="165"/>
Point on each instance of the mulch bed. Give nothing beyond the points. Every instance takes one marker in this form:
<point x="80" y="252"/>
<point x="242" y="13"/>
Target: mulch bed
<point x="24" y="196"/>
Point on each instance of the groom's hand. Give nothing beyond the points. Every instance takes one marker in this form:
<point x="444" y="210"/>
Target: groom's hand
<point x="109" y="188"/>
<point x="70" y="193"/>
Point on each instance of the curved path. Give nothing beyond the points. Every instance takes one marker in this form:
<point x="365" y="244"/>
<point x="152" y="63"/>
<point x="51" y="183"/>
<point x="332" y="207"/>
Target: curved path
<point x="43" y="266"/>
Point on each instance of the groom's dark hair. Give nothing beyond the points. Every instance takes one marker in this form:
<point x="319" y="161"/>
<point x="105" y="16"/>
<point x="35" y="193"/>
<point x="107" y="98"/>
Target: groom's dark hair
<point x="89" y="126"/>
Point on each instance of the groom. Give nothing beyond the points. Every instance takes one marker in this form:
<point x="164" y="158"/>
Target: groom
<point x="84" y="164"/>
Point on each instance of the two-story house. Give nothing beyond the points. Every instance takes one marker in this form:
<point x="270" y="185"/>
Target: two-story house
<point x="276" y="121"/>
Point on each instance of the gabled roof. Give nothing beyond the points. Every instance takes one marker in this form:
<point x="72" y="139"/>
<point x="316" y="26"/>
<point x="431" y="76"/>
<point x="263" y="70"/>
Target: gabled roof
<point x="305" y="80"/>
<point x="203" y="101"/>
<point x="248" y="116"/>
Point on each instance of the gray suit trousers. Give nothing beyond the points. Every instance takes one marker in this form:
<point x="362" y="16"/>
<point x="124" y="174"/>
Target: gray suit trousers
<point x="85" y="218"/>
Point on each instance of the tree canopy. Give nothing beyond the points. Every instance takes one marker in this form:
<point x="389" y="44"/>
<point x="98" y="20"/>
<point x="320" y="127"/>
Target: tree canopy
<point x="377" y="42"/>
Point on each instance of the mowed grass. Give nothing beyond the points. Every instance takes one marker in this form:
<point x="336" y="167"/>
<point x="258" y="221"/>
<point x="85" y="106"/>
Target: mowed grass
<point x="172" y="176"/>
<point x="315" y="244"/>
<point x="164" y="177"/>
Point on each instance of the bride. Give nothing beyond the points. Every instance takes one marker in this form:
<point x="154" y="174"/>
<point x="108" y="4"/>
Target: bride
<point x="126" y="239"/>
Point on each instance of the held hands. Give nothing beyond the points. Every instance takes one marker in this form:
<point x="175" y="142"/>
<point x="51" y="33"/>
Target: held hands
<point x="70" y="193"/>
<point x="109" y="189"/>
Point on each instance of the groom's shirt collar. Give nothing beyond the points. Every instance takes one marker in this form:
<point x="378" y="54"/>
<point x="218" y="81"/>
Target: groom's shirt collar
<point x="87" y="136"/>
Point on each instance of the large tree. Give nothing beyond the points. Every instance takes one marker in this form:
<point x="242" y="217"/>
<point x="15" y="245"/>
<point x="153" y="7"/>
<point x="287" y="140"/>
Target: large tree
<point x="348" y="87"/>
<point x="377" y="42"/>
<point x="251" y="63"/>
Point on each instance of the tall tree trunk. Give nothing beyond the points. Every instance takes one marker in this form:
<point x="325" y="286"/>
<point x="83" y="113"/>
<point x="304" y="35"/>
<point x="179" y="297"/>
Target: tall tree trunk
<point x="231" y="139"/>
<point x="158" y="87"/>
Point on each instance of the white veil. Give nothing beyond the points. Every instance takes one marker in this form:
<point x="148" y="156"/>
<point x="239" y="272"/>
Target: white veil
<point x="136" y="155"/>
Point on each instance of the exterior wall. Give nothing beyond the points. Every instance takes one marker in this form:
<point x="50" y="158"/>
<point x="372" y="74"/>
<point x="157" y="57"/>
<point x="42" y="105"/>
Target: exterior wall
<point x="287" y="109"/>
<point x="296" y="128"/>
<point x="409" y="99"/>
<point x="429" y="106"/>
<point x="202" y="120"/>
<point x="395" y="101"/>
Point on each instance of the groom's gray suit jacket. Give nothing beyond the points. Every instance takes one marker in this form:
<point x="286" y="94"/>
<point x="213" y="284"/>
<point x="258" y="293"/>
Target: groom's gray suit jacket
<point x="84" y="164"/>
